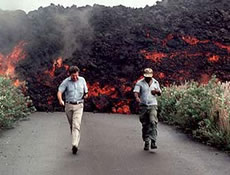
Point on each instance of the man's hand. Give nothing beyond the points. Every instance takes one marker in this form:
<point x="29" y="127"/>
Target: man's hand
<point x="86" y="96"/>
<point x="61" y="102"/>
<point x="138" y="99"/>
<point x="59" y="96"/>
<point x="155" y="92"/>
<point x="136" y="95"/>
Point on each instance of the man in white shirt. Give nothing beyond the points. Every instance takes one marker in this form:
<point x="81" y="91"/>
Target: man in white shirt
<point x="76" y="91"/>
<point x="145" y="91"/>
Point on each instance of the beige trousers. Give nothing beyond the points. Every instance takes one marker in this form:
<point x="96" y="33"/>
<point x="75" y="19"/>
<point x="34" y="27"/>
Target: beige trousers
<point x="74" y="115"/>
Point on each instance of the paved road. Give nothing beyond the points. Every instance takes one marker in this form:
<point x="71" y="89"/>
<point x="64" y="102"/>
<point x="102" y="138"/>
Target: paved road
<point x="110" y="145"/>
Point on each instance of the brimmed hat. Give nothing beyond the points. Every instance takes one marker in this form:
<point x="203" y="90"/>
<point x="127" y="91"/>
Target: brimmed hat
<point x="148" y="72"/>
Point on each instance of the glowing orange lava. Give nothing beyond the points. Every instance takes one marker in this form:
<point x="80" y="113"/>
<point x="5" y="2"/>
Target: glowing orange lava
<point x="154" y="56"/>
<point x="161" y="75"/>
<point x="122" y="107"/>
<point x="190" y="40"/>
<point x="58" y="63"/>
<point x="8" y="62"/>
<point x="95" y="90"/>
<point x="223" y="46"/>
<point x="214" y="58"/>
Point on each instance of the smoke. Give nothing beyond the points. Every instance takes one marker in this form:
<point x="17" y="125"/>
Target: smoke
<point x="164" y="2"/>
<point x="14" y="27"/>
<point x="74" y="24"/>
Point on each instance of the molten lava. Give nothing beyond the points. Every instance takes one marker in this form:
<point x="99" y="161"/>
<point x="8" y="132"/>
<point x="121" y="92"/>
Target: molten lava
<point x="96" y="90"/>
<point x="116" y="98"/>
<point x="214" y="58"/>
<point x="227" y="47"/>
<point x="57" y="64"/>
<point x="161" y="75"/>
<point x="190" y="40"/>
<point x="122" y="107"/>
<point x="8" y="62"/>
<point x="154" y="56"/>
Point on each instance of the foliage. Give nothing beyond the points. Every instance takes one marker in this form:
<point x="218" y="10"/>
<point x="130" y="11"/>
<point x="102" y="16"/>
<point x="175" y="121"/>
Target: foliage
<point x="202" y="110"/>
<point x="13" y="103"/>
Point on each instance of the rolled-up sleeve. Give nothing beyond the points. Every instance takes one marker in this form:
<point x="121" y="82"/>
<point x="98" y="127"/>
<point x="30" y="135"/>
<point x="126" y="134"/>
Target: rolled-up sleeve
<point x="137" y="88"/>
<point x="85" y="87"/>
<point x="62" y="86"/>
<point x="158" y="87"/>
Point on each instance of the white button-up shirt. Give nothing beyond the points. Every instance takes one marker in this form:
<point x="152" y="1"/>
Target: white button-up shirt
<point x="143" y="88"/>
<point x="74" y="90"/>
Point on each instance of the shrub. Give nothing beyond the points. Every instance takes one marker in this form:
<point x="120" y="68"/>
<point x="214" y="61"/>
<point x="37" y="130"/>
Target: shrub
<point x="202" y="110"/>
<point x="167" y="104"/>
<point x="13" y="103"/>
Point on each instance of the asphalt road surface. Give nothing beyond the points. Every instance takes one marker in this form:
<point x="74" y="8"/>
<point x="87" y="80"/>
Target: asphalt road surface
<point x="110" y="145"/>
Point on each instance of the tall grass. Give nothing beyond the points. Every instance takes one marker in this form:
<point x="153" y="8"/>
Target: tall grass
<point x="202" y="110"/>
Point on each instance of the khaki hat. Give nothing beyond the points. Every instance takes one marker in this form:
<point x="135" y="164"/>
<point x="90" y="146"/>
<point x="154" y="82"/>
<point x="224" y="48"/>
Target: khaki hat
<point x="148" y="72"/>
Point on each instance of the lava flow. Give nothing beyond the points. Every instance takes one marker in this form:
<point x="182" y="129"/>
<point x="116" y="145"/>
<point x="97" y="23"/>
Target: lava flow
<point x="9" y="62"/>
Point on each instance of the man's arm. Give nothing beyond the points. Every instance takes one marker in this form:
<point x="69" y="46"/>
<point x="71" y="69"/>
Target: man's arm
<point x="85" y="95"/>
<point x="136" y="91"/>
<point x="85" y="90"/>
<point x="156" y="92"/>
<point x="59" y="96"/>
<point x="136" y="95"/>
<point x="61" y="89"/>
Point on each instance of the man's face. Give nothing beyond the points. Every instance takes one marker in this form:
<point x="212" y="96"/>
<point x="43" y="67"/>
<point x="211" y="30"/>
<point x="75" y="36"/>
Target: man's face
<point x="74" y="76"/>
<point x="148" y="79"/>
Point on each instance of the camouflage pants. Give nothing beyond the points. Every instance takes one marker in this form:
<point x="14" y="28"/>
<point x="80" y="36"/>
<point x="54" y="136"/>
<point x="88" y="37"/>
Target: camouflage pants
<point x="149" y="120"/>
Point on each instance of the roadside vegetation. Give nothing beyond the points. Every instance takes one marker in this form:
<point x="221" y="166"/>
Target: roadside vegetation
<point x="14" y="105"/>
<point x="202" y="110"/>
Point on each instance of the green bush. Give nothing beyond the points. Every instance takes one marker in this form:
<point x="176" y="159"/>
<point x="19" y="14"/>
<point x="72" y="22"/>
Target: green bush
<point x="194" y="106"/>
<point x="202" y="110"/>
<point x="167" y="104"/>
<point x="13" y="103"/>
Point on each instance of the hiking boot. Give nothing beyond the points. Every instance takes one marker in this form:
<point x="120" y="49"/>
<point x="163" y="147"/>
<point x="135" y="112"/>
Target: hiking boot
<point x="153" y="145"/>
<point x="146" y="146"/>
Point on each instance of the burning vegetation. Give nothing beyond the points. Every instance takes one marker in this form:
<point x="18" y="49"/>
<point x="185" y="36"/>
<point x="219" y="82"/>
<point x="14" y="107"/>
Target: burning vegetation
<point x="180" y="40"/>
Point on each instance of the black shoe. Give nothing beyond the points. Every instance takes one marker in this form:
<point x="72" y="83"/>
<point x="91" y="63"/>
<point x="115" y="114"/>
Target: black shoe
<point x="74" y="150"/>
<point x="153" y="145"/>
<point x="146" y="147"/>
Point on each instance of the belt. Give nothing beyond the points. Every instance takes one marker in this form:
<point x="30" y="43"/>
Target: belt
<point x="74" y="103"/>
